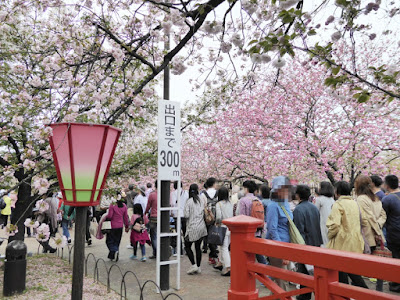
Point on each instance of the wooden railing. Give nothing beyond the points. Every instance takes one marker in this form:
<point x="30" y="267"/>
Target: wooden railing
<point x="327" y="263"/>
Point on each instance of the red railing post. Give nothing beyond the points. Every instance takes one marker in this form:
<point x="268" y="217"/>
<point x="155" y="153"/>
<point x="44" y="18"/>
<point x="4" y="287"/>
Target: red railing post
<point x="322" y="278"/>
<point x="243" y="284"/>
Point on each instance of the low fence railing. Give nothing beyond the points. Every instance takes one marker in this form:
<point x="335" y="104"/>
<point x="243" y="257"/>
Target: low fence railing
<point x="100" y="267"/>
<point x="327" y="264"/>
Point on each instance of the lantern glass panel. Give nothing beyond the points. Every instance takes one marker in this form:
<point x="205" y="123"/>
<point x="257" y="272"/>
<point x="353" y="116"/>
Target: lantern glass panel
<point x="61" y="145"/>
<point x="108" y="150"/>
<point x="90" y="139"/>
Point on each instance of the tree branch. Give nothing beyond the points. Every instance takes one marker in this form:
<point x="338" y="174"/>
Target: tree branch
<point x="208" y="7"/>
<point x="372" y="85"/>
<point x="3" y="162"/>
<point x="125" y="47"/>
<point x="16" y="148"/>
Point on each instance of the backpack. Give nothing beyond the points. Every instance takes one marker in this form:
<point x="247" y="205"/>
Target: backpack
<point x="209" y="217"/>
<point x="209" y="210"/>
<point x="257" y="211"/>
<point x="2" y="203"/>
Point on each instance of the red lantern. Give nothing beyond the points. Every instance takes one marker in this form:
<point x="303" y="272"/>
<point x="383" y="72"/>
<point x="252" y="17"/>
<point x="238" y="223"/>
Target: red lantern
<point x="82" y="156"/>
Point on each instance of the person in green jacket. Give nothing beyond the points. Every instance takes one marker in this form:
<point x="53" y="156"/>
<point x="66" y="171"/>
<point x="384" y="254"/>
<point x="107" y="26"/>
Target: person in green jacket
<point x="64" y="209"/>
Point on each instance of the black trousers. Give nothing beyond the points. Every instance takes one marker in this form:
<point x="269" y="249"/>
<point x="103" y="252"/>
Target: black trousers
<point x="301" y="268"/>
<point x="394" y="286"/>
<point x="113" y="239"/>
<point x="189" y="251"/>
<point x="88" y="220"/>
<point x="356" y="280"/>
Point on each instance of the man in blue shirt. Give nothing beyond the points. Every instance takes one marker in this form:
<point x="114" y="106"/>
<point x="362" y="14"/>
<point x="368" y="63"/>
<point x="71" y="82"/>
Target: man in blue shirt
<point x="391" y="204"/>
<point x="277" y="222"/>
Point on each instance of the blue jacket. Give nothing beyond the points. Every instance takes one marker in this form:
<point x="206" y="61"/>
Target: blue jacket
<point x="306" y="217"/>
<point x="391" y="204"/>
<point x="265" y="202"/>
<point x="277" y="222"/>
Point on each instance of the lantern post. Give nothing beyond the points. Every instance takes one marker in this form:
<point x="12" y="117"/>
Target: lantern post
<point x="82" y="156"/>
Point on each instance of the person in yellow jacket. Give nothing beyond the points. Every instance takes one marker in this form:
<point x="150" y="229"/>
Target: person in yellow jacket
<point x="373" y="212"/>
<point x="6" y="211"/>
<point x="344" y="228"/>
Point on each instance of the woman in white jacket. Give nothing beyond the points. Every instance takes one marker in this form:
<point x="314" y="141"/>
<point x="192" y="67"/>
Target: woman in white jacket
<point x="224" y="210"/>
<point x="324" y="203"/>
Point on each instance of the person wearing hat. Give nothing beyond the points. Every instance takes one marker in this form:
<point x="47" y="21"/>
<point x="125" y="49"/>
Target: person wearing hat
<point x="277" y="222"/>
<point x="141" y="197"/>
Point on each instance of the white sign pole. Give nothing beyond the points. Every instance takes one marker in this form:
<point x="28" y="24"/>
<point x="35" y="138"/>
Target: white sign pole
<point x="169" y="169"/>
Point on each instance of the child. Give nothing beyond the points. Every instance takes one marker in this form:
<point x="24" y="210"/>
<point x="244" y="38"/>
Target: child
<point x="139" y="232"/>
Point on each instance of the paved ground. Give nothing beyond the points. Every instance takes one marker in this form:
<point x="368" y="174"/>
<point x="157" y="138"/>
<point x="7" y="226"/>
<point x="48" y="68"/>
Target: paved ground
<point x="207" y="285"/>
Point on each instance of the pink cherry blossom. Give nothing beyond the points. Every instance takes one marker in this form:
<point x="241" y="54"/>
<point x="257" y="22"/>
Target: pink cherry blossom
<point x="42" y="205"/>
<point x="43" y="233"/>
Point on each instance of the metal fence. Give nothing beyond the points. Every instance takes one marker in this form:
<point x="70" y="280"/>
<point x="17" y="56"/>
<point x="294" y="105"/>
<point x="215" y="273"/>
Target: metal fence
<point x="116" y="283"/>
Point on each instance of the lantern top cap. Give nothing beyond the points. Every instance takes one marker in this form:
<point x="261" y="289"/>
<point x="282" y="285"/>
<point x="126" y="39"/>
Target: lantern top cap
<point x="84" y="124"/>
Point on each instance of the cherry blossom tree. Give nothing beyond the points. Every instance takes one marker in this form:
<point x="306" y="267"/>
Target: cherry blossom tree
<point x="298" y="128"/>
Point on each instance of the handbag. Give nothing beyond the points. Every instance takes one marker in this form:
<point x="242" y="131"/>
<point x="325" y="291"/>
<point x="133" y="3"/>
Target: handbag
<point x="216" y="235"/>
<point x="137" y="227"/>
<point x="209" y="217"/>
<point x="382" y="250"/>
<point x="106" y="227"/>
<point x="93" y="227"/>
<point x="294" y="233"/>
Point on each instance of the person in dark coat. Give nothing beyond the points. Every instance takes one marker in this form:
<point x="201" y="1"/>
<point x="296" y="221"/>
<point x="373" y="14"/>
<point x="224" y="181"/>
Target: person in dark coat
<point x="307" y="219"/>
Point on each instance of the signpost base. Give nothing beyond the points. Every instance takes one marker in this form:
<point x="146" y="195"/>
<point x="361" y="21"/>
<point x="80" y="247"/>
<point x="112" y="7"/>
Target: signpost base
<point x="79" y="253"/>
<point x="165" y="241"/>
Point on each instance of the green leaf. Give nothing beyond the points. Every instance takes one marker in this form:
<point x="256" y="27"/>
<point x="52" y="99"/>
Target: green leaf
<point x="311" y="32"/>
<point x="336" y="70"/>
<point x="287" y="19"/>
<point x="252" y="42"/>
<point x="331" y="81"/>
<point x="291" y="52"/>
<point x="201" y="9"/>
<point x="363" y="98"/>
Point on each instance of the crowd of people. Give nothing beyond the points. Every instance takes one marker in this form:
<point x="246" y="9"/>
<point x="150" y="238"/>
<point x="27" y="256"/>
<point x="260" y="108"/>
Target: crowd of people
<point x="357" y="218"/>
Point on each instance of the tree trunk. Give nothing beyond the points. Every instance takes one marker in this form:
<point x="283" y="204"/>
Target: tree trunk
<point x="329" y="174"/>
<point x="21" y="212"/>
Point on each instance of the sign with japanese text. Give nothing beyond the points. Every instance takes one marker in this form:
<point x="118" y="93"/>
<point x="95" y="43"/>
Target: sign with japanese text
<point x="169" y="140"/>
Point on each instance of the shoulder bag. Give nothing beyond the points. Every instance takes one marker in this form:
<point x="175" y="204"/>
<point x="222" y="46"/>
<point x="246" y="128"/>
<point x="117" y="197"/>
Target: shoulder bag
<point x="216" y="235"/>
<point x="295" y="235"/>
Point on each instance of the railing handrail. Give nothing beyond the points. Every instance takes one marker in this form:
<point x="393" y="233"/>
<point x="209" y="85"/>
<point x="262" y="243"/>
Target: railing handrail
<point x="367" y="265"/>
<point x="327" y="264"/>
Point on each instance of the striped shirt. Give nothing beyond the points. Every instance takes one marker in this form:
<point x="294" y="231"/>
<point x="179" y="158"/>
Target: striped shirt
<point x="195" y="224"/>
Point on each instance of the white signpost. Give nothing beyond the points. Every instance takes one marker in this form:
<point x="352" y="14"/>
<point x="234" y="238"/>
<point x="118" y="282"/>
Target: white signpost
<point x="169" y="169"/>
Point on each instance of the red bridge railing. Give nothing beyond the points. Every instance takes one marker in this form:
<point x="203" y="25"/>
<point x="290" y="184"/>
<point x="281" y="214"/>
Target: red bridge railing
<point x="327" y="263"/>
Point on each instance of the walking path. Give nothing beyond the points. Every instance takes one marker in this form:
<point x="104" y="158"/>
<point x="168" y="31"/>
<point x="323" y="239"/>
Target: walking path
<point x="208" y="285"/>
